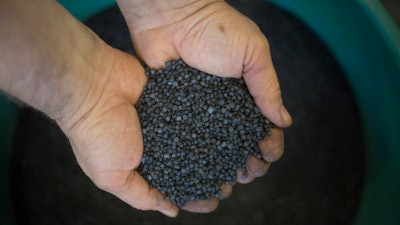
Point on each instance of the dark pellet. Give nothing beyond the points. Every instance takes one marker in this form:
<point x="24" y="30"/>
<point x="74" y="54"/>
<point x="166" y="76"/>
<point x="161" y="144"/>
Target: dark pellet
<point x="198" y="129"/>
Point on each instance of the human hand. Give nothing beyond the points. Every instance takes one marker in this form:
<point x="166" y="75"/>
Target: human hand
<point x="61" y="68"/>
<point x="215" y="38"/>
<point x="106" y="138"/>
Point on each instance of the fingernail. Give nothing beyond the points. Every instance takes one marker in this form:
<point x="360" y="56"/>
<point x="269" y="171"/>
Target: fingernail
<point x="285" y="117"/>
<point x="168" y="211"/>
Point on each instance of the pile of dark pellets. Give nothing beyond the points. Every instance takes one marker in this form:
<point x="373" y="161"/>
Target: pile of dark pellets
<point x="198" y="130"/>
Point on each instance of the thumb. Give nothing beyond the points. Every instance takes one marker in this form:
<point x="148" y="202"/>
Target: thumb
<point x="262" y="82"/>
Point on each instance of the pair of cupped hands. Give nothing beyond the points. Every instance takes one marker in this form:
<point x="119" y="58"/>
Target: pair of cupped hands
<point x="105" y="131"/>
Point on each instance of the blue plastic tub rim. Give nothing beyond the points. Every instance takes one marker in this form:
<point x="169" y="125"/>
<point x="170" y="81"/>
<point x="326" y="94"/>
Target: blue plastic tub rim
<point x="366" y="43"/>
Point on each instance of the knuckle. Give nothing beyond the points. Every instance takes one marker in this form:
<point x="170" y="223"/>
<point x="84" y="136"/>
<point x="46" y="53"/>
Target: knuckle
<point x="274" y="90"/>
<point x="256" y="167"/>
<point x="274" y="150"/>
<point x="108" y="182"/>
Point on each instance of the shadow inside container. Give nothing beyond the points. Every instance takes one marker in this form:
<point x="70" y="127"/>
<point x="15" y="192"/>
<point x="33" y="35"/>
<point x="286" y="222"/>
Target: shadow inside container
<point x="318" y="180"/>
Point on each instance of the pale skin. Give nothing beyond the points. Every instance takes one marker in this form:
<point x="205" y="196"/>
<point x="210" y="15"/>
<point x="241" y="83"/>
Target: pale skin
<point x="55" y="64"/>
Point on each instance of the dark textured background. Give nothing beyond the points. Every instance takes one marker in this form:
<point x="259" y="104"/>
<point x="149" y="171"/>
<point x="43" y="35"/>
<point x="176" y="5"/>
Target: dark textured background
<point x="318" y="180"/>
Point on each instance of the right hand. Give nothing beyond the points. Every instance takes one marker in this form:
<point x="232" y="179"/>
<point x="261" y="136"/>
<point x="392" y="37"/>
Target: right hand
<point x="213" y="37"/>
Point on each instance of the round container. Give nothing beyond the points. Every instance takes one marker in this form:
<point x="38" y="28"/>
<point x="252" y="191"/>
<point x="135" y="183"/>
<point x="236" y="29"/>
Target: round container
<point x="366" y="43"/>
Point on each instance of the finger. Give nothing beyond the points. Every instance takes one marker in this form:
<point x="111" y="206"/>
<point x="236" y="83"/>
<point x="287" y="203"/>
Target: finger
<point x="262" y="81"/>
<point x="131" y="188"/>
<point x="256" y="167"/>
<point x="202" y="206"/>
<point x="243" y="177"/>
<point x="128" y="84"/>
<point x="272" y="148"/>
<point x="226" y="191"/>
<point x="153" y="49"/>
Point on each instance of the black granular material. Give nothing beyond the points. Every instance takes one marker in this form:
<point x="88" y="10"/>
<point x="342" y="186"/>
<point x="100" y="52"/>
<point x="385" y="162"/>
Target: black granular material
<point x="198" y="130"/>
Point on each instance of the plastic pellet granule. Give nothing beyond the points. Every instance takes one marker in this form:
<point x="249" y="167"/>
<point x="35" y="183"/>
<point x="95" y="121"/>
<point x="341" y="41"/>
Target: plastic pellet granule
<point x="198" y="129"/>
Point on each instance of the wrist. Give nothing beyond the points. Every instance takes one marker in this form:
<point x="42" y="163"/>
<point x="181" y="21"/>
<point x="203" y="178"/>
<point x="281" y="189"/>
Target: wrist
<point x="50" y="56"/>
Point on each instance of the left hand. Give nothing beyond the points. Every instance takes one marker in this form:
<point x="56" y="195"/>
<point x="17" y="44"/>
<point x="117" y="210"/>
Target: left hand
<point x="106" y="137"/>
